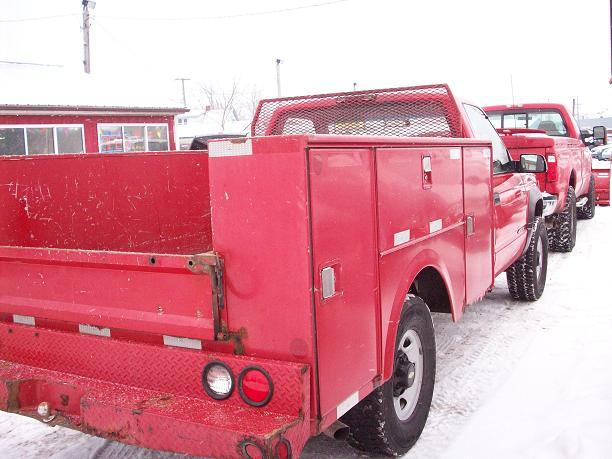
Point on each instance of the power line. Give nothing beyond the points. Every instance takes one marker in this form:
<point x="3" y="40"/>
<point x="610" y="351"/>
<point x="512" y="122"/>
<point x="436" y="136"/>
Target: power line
<point x="39" y="18"/>
<point x="227" y="16"/>
<point x="189" y="18"/>
<point x="30" y="63"/>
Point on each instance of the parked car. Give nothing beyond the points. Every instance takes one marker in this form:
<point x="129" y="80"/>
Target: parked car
<point x="236" y="302"/>
<point x="568" y="184"/>
<point x="201" y="142"/>
<point x="602" y="153"/>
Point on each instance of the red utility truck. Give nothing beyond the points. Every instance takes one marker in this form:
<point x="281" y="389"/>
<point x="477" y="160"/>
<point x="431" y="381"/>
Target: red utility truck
<point x="235" y="303"/>
<point x="568" y="184"/>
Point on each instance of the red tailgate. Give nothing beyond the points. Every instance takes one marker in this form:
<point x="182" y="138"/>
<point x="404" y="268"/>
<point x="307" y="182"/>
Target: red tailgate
<point x="157" y="294"/>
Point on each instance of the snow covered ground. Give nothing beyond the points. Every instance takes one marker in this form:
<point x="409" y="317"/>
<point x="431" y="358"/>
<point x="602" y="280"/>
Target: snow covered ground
<point x="514" y="379"/>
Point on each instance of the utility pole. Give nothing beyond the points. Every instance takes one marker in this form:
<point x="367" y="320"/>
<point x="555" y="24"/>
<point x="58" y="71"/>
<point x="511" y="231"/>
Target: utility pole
<point x="354" y="86"/>
<point x="182" y="80"/>
<point x="278" y="80"/>
<point x="86" y="48"/>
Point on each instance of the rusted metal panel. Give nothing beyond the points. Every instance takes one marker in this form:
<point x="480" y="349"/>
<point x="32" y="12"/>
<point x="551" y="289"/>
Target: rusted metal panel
<point x="147" y="395"/>
<point x="133" y="202"/>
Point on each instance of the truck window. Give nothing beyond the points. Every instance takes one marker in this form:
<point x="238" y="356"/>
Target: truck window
<point x="550" y="121"/>
<point x="483" y="129"/>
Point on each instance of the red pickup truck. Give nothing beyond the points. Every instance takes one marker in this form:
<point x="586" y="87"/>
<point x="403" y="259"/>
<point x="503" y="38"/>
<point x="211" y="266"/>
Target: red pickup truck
<point x="235" y="303"/>
<point x="568" y="184"/>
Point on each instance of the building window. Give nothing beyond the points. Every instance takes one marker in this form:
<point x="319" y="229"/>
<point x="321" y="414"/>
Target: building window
<point x="132" y="137"/>
<point x="12" y="141"/>
<point x="110" y="139"/>
<point x="157" y="138"/>
<point x="69" y="139"/>
<point x="41" y="140"/>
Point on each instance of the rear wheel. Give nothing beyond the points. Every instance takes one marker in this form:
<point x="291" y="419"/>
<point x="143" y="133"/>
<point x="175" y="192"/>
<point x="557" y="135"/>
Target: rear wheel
<point x="390" y="420"/>
<point x="587" y="211"/>
<point x="563" y="234"/>
<point x="527" y="275"/>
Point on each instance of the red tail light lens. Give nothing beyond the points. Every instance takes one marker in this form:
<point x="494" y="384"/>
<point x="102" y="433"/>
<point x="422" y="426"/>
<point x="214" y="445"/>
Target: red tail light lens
<point x="255" y="386"/>
<point x="551" y="159"/>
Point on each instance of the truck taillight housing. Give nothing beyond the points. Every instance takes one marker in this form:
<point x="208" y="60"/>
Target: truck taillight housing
<point x="551" y="160"/>
<point x="255" y="386"/>
<point x="218" y="380"/>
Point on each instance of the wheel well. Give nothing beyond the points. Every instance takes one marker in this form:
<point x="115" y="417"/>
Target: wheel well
<point x="430" y="286"/>
<point x="573" y="180"/>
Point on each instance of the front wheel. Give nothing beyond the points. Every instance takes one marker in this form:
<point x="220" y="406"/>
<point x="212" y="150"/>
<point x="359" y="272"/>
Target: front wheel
<point x="587" y="211"/>
<point x="527" y="275"/>
<point x="390" y="420"/>
<point x="563" y="234"/>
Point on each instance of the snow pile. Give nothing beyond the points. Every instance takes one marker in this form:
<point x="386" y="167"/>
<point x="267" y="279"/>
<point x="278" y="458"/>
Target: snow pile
<point x="514" y="379"/>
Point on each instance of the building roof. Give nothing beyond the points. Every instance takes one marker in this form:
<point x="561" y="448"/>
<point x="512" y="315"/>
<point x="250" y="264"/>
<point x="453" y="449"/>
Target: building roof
<point x="27" y="109"/>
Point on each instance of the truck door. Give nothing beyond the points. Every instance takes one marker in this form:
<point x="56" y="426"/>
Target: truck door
<point x="345" y="276"/>
<point x="510" y="198"/>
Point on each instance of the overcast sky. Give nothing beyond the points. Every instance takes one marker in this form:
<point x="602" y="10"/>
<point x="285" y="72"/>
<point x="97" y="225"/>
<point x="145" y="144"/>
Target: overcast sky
<point x="554" y="50"/>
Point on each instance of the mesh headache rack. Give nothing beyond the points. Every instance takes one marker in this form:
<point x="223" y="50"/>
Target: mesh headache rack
<point x="419" y="111"/>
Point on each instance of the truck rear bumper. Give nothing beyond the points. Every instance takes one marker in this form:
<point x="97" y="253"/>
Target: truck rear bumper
<point x="151" y="416"/>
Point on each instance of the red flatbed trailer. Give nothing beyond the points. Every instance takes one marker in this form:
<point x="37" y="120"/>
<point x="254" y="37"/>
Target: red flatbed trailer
<point x="235" y="303"/>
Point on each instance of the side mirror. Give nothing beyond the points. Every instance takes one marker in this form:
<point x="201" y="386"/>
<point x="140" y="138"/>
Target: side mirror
<point x="532" y="163"/>
<point x="600" y="135"/>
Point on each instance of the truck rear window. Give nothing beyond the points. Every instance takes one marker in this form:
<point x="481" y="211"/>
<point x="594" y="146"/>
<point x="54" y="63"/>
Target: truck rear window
<point x="421" y="111"/>
<point x="396" y="120"/>
<point x="550" y="121"/>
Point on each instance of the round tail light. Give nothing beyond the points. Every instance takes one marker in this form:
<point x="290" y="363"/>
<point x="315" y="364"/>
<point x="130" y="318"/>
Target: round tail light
<point x="218" y="380"/>
<point x="255" y="386"/>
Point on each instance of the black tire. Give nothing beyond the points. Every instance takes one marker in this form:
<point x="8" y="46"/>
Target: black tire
<point x="562" y="235"/>
<point x="375" y="426"/>
<point x="587" y="211"/>
<point x="525" y="281"/>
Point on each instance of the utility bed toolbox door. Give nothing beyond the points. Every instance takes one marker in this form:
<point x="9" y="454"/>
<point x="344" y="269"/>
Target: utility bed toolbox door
<point x="478" y="204"/>
<point x="344" y="255"/>
<point x="172" y="295"/>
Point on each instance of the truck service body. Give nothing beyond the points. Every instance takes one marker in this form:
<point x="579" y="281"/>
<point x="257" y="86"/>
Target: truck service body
<point x="236" y="302"/>
<point x="568" y="184"/>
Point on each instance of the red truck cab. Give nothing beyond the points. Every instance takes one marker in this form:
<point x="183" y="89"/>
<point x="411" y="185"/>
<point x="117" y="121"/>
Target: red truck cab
<point x="235" y="302"/>
<point x="568" y="184"/>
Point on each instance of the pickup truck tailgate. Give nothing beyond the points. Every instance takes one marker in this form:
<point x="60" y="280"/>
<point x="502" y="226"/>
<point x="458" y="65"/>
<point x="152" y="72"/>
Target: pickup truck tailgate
<point x="96" y="292"/>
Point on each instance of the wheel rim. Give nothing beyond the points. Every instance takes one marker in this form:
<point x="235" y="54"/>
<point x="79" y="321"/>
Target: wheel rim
<point x="539" y="258"/>
<point x="408" y="374"/>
